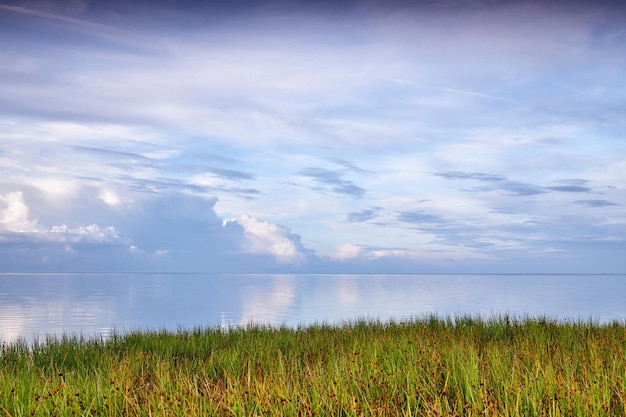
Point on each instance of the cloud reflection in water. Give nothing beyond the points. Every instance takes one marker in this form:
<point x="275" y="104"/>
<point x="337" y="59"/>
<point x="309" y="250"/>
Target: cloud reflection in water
<point x="35" y="305"/>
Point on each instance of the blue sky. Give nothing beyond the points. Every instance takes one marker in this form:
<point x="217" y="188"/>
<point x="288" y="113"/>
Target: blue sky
<point x="349" y="136"/>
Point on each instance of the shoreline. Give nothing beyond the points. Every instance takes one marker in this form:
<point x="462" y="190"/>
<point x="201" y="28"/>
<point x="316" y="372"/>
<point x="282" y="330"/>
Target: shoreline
<point x="431" y="366"/>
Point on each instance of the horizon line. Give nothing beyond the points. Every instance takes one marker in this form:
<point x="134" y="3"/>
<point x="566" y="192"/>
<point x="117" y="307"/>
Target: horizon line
<point x="294" y="273"/>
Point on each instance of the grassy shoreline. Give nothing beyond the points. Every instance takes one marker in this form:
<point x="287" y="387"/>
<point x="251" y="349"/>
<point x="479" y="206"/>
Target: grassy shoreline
<point x="423" y="367"/>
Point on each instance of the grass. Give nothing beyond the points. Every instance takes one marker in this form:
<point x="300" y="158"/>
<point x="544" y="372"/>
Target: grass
<point x="424" y="367"/>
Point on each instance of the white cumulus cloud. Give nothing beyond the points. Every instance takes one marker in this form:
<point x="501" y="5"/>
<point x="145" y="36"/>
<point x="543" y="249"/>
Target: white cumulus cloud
<point x="92" y="234"/>
<point x="14" y="213"/>
<point x="15" y="218"/>
<point x="266" y="238"/>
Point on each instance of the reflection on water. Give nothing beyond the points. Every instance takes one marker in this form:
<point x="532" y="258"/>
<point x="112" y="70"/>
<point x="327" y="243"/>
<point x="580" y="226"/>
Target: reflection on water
<point x="268" y="300"/>
<point x="35" y="305"/>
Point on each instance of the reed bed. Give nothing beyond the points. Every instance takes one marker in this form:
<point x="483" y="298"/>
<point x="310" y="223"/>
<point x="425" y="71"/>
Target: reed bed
<point x="425" y="367"/>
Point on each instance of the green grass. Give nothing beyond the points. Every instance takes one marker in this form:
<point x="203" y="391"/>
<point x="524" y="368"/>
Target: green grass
<point x="424" y="367"/>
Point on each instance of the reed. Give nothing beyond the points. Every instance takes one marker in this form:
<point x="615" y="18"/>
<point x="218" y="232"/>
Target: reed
<point x="458" y="366"/>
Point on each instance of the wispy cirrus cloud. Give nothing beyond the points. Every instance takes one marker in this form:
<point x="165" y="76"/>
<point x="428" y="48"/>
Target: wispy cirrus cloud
<point x="118" y="35"/>
<point x="447" y="89"/>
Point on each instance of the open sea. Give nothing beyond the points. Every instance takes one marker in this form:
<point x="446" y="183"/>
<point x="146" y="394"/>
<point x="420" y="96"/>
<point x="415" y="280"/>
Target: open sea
<point x="34" y="306"/>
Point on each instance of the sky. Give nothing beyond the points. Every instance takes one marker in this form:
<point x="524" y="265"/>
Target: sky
<point x="447" y="136"/>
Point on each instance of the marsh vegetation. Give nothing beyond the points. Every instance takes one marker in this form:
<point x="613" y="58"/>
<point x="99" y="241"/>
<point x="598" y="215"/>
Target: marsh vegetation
<point x="423" y="367"/>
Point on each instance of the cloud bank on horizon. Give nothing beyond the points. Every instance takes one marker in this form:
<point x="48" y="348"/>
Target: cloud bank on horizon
<point x="350" y="136"/>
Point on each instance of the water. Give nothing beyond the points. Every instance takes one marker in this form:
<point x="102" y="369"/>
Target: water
<point x="36" y="305"/>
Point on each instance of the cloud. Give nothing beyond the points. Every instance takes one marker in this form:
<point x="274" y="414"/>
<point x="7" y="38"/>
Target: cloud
<point x="447" y="89"/>
<point x="516" y="188"/>
<point x="167" y="118"/>
<point x="347" y="251"/>
<point x="14" y="213"/>
<point x="569" y="188"/>
<point x="494" y="181"/>
<point x="363" y="215"/>
<point x="15" y="219"/>
<point x="333" y="180"/>
<point x="376" y="259"/>
<point x="110" y="198"/>
<point x="230" y="174"/>
<point x="127" y="157"/>
<point x="160" y="231"/>
<point x="56" y="246"/>
<point x="596" y="203"/>
<point x="90" y="234"/>
<point x="97" y="30"/>
<point x="348" y="165"/>
<point x="419" y="217"/>
<point x="57" y="166"/>
<point x="519" y="188"/>
<point x="479" y="176"/>
<point x="263" y="237"/>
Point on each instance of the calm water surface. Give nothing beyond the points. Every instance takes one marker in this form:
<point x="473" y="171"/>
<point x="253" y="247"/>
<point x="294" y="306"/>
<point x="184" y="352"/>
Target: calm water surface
<point x="36" y="305"/>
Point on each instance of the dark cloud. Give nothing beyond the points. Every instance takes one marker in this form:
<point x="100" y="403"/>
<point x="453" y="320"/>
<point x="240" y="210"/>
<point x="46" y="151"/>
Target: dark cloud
<point x="363" y="215"/>
<point x="334" y="180"/>
<point x="595" y="203"/>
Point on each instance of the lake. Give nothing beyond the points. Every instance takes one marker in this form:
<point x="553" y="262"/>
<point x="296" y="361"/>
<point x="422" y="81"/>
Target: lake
<point x="35" y="305"/>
